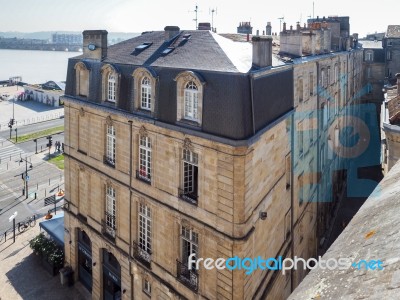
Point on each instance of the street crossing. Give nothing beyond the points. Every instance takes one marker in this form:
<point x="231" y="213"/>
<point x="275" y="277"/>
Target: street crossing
<point x="9" y="152"/>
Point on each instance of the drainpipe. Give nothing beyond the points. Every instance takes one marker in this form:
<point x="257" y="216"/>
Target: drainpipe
<point x="252" y="103"/>
<point x="130" y="205"/>
<point x="291" y="197"/>
<point x="318" y="159"/>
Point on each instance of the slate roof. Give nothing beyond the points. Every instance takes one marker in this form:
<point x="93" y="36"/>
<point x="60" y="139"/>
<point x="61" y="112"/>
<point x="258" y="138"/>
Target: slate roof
<point x="204" y="50"/>
<point x="393" y="31"/>
<point x="370" y="44"/>
<point x="372" y="234"/>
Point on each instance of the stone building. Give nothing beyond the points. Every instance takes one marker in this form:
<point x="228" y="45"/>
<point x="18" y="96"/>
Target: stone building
<point x="181" y="143"/>
<point x="373" y="72"/>
<point x="391" y="46"/>
<point x="245" y="27"/>
<point x="391" y="126"/>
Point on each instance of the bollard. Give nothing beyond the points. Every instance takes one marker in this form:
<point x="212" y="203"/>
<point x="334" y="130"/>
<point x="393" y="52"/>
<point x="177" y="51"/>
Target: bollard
<point x="35" y="195"/>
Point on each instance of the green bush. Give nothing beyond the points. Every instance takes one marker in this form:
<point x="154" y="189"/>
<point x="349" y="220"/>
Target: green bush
<point x="47" y="248"/>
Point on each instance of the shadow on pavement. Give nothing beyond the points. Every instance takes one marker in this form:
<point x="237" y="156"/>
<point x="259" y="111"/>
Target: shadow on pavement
<point x="36" y="106"/>
<point x="31" y="281"/>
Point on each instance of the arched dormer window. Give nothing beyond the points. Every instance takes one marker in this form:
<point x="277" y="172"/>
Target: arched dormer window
<point x="191" y="101"/>
<point x="111" y="88"/>
<point x="144" y="89"/>
<point x="145" y="94"/>
<point x="190" y="97"/>
<point x="81" y="80"/>
<point x="110" y="83"/>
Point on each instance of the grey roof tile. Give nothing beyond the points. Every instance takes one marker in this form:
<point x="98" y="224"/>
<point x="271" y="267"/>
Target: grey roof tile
<point x="379" y="217"/>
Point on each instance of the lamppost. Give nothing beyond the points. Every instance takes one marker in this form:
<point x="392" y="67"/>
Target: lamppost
<point x="35" y="140"/>
<point x="26" y="177"/>
<point x="12" y="218"/>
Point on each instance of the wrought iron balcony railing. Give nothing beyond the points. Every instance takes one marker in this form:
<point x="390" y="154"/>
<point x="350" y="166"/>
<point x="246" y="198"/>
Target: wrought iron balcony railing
<point x="190" y="197"/>
<point x="190" y="278"/>
<point x="143" y="176"/>
<point x="109" y="161"/>
<point x="108" y="225"/>
<point x="141" y="254"/>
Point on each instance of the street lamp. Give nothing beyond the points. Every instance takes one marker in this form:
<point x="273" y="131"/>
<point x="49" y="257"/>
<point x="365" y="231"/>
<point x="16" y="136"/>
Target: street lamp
<point x="12" y="218"/>
<point x="26" y="177"/>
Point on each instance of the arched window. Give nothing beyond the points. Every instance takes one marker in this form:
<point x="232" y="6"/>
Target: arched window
<point x="191" y="101"/>
<point x="145" y="96"/>
<point x="111" y="87"/>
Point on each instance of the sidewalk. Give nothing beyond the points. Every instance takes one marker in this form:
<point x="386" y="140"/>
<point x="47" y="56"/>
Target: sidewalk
<point x="23" y="277"/>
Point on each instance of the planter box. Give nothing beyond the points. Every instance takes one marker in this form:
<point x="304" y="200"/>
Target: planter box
<point x="50" y="268"/>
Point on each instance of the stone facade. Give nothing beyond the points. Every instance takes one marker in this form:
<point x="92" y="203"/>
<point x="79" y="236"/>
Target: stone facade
<point x="257" y="196"/>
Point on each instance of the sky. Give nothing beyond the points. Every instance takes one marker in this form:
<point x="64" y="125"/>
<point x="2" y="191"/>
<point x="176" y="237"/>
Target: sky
<point x="137" y="16"/>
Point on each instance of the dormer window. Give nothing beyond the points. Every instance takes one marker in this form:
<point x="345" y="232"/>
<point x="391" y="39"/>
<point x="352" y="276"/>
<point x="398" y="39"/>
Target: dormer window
<point x="110" y="83"/>
<point x="145" y="97"/>
<point x="190" y="97"/>
<point x="144" y="89"/>
<point x="191" y="101"/>
<point x="111" y="88"/>
<point x="81" y="80"/>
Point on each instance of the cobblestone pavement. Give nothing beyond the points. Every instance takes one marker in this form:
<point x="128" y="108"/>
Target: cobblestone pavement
<point x="23" y="277"/>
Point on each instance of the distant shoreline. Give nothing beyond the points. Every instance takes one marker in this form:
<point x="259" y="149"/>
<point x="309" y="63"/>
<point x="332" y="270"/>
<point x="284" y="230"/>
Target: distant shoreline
<point x="44" y="47"/>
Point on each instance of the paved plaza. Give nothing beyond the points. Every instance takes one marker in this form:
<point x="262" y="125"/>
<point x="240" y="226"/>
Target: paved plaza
<point x="25" y="112"/>
<point x="23" y="277"/>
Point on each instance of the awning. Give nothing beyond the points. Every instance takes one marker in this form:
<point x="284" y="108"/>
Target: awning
<point x="55" y="228"/>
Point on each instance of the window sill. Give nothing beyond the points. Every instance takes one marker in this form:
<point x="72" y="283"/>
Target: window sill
<point x="145" y="179"/>
<point x="189" y="123"/>
<point x="82" y="152"/>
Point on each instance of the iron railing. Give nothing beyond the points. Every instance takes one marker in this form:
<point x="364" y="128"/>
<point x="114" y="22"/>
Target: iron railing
<point x="190" y="197"/>
<point x="142" y="255"/>
<point x="190" y="278"/>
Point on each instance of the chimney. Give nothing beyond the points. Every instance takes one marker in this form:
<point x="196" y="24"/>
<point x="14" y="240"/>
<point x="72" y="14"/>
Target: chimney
<point x="258" y="32"/>
<point x="268" y="29"/>
<point x="95" y="44"/>
<point x="248" y="37"/>
<point x="398" y="83"/>
<point x="284" y="26"/>
<point x="170" y="32"/>
<point x="291" y="27"/>
<point x="262" y="51"/>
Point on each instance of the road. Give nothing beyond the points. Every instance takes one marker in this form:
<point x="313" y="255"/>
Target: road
<point x="32" y="128"/>
<point x="44" y="178"/>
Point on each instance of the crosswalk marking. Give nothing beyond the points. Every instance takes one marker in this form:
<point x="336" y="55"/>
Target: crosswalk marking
<point x="9" y="150"/>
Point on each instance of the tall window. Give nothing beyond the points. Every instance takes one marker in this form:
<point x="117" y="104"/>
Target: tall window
<point x="191" y="101"/>
<point x="311" y="81"/>
<point x="369" y="56"/>
<point x="190" y="245"/>
<point x="301" y="90"/>
<point x="145" y="158"/>
<point x="111" y="87"/>
<point x="323" y="79"/>
<point x="301" y="137"/>
<point x="110" y="149"/>
<point x="145" y="102"/>
<point x="388" y="55"/>
<point x="190" y="176"/>
<point x="145" y="228"/>
<point x="336" y="79"/>
<point x="110" y="211"/>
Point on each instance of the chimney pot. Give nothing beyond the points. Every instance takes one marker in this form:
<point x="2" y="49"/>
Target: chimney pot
<point x="170" y="32"/>
<point x="262" y="51"/>
<point x="97" y="39"/>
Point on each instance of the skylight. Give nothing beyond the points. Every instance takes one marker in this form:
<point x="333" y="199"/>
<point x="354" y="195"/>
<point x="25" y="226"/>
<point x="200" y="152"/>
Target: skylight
<point x="168" y="50"/>
<point x="143" y="46"/>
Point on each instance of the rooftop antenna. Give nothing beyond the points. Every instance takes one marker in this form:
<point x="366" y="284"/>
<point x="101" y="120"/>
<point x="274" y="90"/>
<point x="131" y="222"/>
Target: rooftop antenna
<point x="301" y="15"/>
<point x="195" y="11"/>
<point x="212" y="11"/>
<point x="280" y="23"/>
<point x="313" y="10"/>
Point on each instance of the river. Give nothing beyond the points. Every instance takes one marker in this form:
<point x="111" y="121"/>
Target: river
<point x="34" y="66"/>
